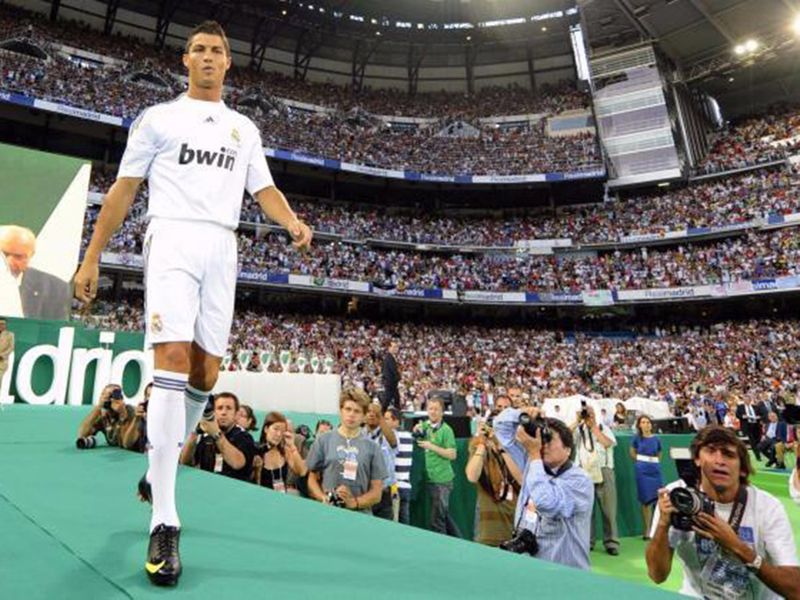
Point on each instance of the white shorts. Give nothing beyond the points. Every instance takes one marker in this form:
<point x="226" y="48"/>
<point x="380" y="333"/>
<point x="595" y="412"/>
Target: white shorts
<point x="190" y="283"/>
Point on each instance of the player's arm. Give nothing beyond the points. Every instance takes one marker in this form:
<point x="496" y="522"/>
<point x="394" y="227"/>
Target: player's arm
<point x="276" y="208"/>
<point x="115" y="208"/>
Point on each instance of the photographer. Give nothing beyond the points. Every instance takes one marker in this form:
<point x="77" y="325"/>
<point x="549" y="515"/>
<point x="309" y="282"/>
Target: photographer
<point x="222" y="446"/>
<point x="403" y="460"/>
<point x="734" y="540"/>
<point x="378" y="430"/>
<point x="277" y="455"/>
<point x="596" y="456"/>
<point x="555" y="502"/>
<point x="439" y="442"/>
<point x="134" y="437"/>
<point x="345" y="468"/>
<point x="110" y="416"/>
<point x="498" y="479"/>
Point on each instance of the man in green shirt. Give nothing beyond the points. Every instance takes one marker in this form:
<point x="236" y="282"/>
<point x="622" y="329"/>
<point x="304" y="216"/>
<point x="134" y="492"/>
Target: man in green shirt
<point x="439" y="444"/>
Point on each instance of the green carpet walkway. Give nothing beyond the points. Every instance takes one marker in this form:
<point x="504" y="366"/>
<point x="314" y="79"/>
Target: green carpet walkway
<point x="70" y="527"/>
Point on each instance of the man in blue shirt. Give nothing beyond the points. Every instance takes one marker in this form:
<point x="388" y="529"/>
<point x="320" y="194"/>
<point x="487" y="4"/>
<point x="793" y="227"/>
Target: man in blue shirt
<point x="556" y="499"/>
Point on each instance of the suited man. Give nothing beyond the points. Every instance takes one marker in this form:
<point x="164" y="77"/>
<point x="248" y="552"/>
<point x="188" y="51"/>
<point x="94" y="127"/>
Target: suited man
<point x="390" y="374"/>
<point x="6" y="348"/>
<point x="750" y="424"/>
<point x="773" y="441"/>
<point x="764" y="407"/>
<point x="42" y="295"/>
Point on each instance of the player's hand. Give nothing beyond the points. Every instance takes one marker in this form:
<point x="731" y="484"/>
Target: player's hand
<point x="301" y="234"/>
<point x="86" y="281"/>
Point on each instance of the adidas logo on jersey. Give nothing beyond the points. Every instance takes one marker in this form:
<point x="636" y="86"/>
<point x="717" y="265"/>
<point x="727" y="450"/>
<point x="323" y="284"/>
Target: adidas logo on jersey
<point x="225" y="158"/>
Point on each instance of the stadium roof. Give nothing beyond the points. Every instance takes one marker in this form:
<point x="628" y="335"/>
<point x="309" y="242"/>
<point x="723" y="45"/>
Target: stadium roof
<point x="700" y="37"/>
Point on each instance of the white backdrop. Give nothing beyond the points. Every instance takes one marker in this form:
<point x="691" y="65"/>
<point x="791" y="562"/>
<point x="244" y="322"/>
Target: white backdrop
<point x="571" y="405"/>
<point x="292" y="392"/>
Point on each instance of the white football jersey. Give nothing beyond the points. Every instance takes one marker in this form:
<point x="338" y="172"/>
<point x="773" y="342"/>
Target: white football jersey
<point x="198" y="158"/>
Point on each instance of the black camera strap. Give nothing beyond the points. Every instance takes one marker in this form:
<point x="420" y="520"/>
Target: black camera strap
<point x="737" y="512"/>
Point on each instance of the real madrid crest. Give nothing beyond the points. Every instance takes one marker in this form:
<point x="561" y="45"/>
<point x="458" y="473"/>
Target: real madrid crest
<point x="235" y="136"/>
<point x="155" y="323"/>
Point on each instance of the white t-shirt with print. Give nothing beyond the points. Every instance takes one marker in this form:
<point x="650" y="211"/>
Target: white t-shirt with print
<point x="709" y="573"/>
<point x="198" y="158"/>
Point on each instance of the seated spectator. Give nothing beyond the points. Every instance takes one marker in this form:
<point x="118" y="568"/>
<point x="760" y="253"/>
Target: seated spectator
<point x="773" y="441"/>
<point x="221" y="446"/>
<point x="277" y="455"/>
<point x="110" y="416"/>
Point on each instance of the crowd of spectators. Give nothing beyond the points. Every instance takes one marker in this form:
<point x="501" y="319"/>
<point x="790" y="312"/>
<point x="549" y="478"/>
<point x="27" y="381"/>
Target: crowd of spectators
<point x="676" y="363"/>
<point x="754" y="255"/>
<point x="111" y="90"/>
<point x="729" y="201"/>
<point x="754" y="140"/>
<point x="723" y="202"/>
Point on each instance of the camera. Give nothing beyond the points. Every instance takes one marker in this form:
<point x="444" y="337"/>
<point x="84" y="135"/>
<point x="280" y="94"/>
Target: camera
<point x="531" y="426"/>
<point x="584" y="411"/>
<point x="86" y="443"/>
<point x="421" y="433"/>
<point x="335" y="500"/>
<point x="524" y="542"/>
<point x="688" y="503"/>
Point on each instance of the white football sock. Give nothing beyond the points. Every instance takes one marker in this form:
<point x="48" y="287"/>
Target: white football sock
<point x="165" y="426"/>
<point x="194" y="401"/>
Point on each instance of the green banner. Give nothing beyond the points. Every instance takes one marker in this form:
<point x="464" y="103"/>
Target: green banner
<point x="65" y="363"/>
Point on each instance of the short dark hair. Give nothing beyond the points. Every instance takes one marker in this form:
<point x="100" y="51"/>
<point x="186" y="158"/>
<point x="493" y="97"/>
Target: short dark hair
<point x="211" y="28"/>
<point x="394" y="412"/>
<point x="715" y="436"/>
<point x="227" y="395"/>
<point x="437" y="399"/>
<point x="564" y="432"/>
<point x="322" y="422"/>
<point x="251" y="417"/>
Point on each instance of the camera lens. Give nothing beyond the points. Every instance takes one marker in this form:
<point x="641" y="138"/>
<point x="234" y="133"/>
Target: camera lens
<point x="685" y="501"/>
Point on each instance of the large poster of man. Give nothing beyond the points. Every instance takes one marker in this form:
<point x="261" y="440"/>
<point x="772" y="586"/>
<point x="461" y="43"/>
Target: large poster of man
<point x="42" y="206"/>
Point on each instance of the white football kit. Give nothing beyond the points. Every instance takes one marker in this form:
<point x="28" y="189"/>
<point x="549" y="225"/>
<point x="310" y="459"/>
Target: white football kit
<point x="198" y="158"/>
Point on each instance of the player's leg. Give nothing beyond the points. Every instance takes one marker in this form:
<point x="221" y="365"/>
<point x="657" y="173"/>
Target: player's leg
<point x="203" y="373"/>
<point x="172" y="304"/>
<point x="213" y="325"/>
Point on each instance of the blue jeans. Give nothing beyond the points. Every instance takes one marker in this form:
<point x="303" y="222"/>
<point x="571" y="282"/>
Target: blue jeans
<point x="441" y="521"/>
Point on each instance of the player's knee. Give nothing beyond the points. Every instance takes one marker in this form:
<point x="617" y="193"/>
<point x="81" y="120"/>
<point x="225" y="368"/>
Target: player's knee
<point x="172" y="357"/>
<point x="201" y="378"/>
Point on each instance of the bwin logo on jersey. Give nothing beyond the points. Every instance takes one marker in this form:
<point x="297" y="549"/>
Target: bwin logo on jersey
<point x="225" y="158"/>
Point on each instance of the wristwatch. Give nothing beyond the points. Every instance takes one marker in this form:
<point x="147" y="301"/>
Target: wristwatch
<point x="217" y="437"/>
<point x="755" y="566"/>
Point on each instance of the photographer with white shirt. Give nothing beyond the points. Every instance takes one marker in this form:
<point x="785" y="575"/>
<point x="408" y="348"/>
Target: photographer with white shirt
<point x="739" y="545"/>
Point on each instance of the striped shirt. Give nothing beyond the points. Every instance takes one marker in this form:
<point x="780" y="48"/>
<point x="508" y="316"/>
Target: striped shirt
<point x="402" y="463"/>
